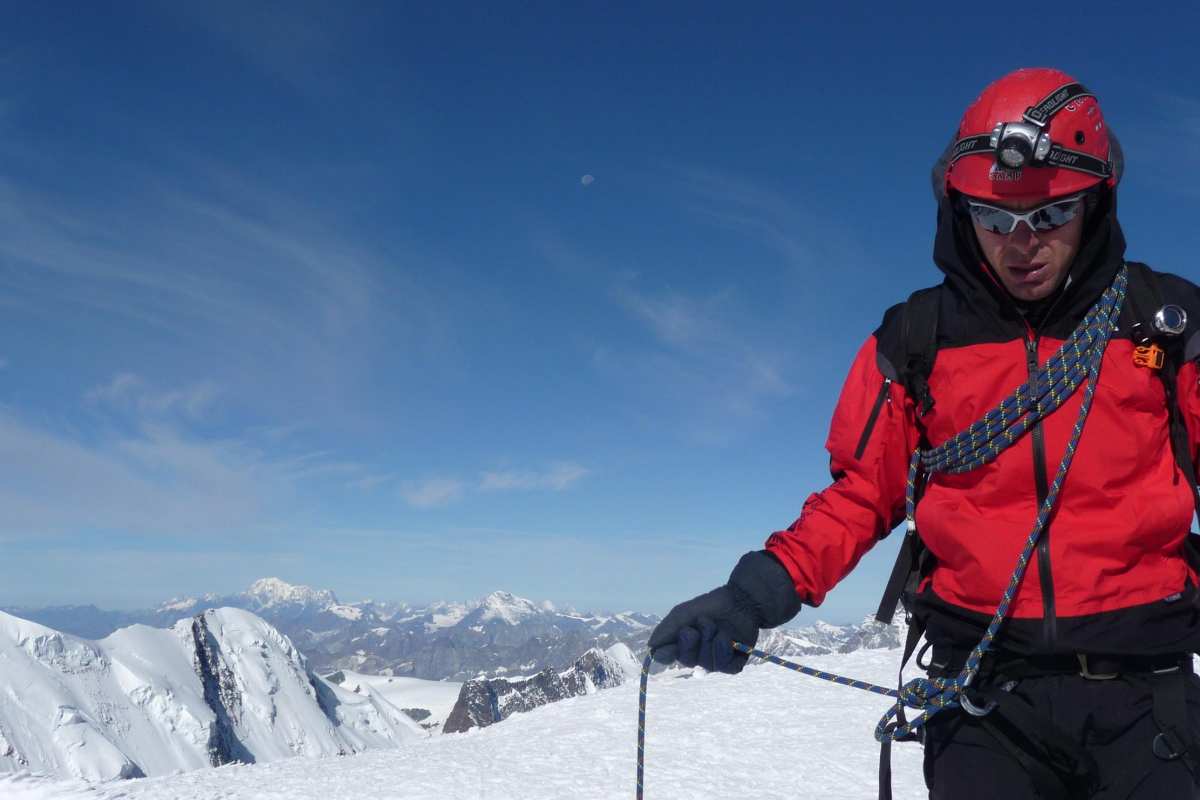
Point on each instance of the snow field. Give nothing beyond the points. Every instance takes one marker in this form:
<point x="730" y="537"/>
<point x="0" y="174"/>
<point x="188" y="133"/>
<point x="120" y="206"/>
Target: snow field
<point x="23" y="786"/>
<point x="769" y="732"/>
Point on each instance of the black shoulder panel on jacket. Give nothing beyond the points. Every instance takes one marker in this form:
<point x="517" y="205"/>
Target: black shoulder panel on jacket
<point x="1182" y="292"/>
<point x="891" y="349"/>
<point x="889" y="342"/>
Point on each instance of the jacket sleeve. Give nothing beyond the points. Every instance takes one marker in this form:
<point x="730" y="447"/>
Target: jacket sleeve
<point x="871" y="440"/>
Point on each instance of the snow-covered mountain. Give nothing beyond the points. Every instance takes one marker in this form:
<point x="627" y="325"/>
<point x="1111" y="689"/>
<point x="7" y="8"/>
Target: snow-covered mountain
<point x="821" y="638"/>
<point x="768" y="732"/>
<point x="221" y="687"/>
<point x="485" y="702"/>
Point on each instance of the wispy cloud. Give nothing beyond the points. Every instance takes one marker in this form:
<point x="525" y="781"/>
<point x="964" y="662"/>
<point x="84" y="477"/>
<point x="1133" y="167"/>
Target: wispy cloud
<point x="703" y="361"/>
<point x="147" y="462"/>
<point x="281" y="303"/>
<point x="442" y="491"/>
<point x="297" y="43"/>
<point x="708" y="365"/>
<point x="675" y="318"/>
<point x="557" y="478"/>
<point x="432" y="493"/>
<point x="156" y="480"/>
<point x="798" y="233"/>
<point x="128" y="391"/>
<point x="371" y="482"/>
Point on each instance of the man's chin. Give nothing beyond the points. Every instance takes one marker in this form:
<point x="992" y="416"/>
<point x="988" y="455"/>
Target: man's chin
<point x="1030" y="292"/>
<point x="1030" y="295"/>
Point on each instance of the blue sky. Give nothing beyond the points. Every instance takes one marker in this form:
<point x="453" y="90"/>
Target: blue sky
<point x="292" y="290"/>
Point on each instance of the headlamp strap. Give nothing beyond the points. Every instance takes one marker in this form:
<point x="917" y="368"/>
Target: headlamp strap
<point x="1060" y="156"/>
<point x="969" y="145"/>
<point x="1039" y="115"/>
<point x="1052" y="103"/>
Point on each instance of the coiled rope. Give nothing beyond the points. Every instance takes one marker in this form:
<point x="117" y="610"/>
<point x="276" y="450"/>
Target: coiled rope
<point x="1075" y="363"/>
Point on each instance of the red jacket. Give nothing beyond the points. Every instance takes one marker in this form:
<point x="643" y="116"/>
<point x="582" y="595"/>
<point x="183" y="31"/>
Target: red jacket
<point x="1110" y="575"/>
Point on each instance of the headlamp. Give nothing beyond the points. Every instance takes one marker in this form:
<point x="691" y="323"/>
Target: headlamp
<point x="1017" y="144"/>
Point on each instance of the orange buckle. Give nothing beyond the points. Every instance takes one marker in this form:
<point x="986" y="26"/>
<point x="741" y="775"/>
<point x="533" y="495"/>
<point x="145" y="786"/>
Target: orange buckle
<point x="1151" y="356"/>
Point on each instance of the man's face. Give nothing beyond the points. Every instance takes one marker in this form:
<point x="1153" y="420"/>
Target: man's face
<point x="1030" y="264"/>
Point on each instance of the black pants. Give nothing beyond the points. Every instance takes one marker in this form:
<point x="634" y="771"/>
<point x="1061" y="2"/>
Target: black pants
<point x="1112" y="722"/>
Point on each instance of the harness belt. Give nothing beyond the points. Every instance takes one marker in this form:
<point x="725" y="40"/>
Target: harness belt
<point x="1058" y="765"/>
<point x="1096" y="667"/>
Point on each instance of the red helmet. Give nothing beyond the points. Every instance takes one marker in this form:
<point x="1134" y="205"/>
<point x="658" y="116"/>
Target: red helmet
<point x="1033" y="133"/>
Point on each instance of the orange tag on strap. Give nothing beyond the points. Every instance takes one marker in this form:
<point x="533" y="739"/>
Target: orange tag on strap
<point x="1151" y="356"/>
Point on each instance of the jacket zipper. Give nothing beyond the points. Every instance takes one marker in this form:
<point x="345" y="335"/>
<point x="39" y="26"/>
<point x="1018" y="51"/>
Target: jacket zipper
<point x="1049" y="619"/>
<point x="871" y="420"/>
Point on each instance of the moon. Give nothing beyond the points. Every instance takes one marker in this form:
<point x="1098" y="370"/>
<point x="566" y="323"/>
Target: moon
<point x="587" y="180"/>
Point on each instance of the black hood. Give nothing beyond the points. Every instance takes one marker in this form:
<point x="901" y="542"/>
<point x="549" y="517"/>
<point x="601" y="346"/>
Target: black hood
<point x="969" y="279"/>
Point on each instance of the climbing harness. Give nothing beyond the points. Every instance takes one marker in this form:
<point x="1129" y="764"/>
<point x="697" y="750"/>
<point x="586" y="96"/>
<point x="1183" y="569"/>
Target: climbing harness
<point x="1076" y="363"/>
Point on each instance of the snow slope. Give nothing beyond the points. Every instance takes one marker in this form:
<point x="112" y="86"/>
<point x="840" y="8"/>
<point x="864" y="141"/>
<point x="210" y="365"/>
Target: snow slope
<point x="436" y="697"/>
<point x="220" y="687"/>
<point x="24" y="786"/>
<point x="768" y="732"/>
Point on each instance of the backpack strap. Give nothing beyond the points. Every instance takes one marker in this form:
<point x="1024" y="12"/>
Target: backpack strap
<point x="1145" y="298"/>
<point x="918" y="327"/>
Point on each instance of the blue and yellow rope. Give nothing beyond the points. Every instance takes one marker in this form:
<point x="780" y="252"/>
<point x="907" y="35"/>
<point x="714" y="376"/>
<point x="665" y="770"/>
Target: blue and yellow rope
<point x="1076" y="363"/>
<point x="1080" y="357"/>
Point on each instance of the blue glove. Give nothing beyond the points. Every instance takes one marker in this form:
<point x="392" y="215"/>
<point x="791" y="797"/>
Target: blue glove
<point x="701" y="631"/>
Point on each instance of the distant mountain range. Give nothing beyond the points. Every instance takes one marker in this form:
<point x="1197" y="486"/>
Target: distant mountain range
<point x="821" y="638"/>
<point x="497" y="636"/>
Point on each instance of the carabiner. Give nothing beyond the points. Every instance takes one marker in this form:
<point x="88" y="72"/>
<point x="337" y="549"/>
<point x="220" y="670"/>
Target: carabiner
<point x="974" y="710"/>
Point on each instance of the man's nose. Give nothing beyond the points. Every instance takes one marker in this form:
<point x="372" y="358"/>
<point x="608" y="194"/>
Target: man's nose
<point x="1024" y="235"/>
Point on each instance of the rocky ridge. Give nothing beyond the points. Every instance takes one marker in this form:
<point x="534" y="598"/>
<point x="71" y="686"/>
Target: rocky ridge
<point x="487" y="701"/>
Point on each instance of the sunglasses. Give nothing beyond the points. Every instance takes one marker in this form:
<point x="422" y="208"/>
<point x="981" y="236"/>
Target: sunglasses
<point x="1043" y="218"/>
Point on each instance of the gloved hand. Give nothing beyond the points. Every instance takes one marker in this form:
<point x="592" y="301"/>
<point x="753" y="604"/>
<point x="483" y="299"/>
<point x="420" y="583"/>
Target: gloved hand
<point x="700" y="631"/>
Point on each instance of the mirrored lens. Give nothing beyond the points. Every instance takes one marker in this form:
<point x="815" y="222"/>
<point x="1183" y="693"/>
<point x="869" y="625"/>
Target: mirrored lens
<point x="993" y="219"/>
<point x="1047" y="218"/>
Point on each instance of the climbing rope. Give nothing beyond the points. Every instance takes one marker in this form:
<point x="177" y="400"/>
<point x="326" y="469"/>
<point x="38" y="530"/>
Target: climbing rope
<point x="1076" y="362"/>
